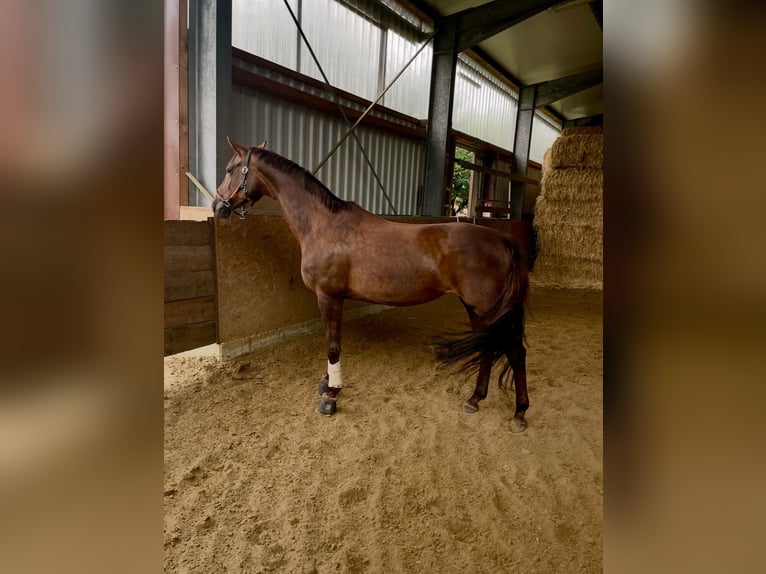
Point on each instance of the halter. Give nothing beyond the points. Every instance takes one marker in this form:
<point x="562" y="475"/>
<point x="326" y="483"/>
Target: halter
<point x="242" y="187"/>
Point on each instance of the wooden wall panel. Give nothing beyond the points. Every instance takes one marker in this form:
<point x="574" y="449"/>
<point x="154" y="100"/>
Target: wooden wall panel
<point x="254" y="286"/>
<point x="188" y="232"/>
<point x="189" y="311"/>
<point x="260" y="289"/>
<point x="259" y="277"/>
<point x="188" y="257"/>
<point x="187" y="337"/>
<point x="190" y="286"/>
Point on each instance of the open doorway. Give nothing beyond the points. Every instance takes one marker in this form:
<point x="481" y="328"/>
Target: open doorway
<point x="462" y="184"/>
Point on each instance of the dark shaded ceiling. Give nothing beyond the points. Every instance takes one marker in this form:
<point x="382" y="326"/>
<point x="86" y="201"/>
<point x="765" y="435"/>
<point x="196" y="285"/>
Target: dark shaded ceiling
<point x="559" y="41"/>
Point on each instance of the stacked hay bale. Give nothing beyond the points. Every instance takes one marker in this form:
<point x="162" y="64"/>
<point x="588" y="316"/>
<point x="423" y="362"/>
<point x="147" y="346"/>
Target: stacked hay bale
<point x="569" y="211"/>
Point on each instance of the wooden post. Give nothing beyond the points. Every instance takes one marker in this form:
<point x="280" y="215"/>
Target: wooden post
<point x="172" y="181"/>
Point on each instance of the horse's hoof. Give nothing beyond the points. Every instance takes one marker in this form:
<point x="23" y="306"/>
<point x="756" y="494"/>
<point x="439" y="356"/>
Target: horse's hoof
<point x="324" y="384"/>
<point x="470" y="409"/>
<point x="517" y="425"/>
<point x="327" y="405"/>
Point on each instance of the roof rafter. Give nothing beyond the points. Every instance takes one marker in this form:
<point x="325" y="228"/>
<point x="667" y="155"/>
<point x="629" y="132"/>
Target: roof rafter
<point x="555" y="90"/>
<point x="477" y="24"/>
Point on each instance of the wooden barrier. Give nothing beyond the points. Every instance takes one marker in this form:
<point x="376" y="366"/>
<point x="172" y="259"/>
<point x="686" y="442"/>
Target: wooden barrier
<point x="190" y="285"/>
<point x="238" y="282"/>
<point x="261" y="295"/>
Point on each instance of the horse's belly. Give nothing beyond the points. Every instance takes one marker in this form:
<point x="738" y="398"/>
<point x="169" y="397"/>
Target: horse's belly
<point x="392" y="288"/>
<point x="398" y="299"/>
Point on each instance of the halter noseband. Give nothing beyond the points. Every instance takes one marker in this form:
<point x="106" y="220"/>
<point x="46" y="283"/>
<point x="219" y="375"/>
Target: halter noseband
<point x="242" y="187"/>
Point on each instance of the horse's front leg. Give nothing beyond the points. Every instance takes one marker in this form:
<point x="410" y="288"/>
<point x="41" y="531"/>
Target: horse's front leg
<point x="331" y="309"/>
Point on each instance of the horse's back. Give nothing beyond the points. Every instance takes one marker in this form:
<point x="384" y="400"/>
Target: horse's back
<point x="474" y="245"/>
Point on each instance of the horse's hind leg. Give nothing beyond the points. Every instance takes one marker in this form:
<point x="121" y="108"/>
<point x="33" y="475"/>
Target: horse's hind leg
<point x="519" y="366"/>
<point x="485" y="367"/>
<point x="331" y="310"/>
<point x="482" y="384"/>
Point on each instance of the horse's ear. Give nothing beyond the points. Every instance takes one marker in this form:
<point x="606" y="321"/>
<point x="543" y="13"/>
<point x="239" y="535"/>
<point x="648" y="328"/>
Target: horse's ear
<point x="263" y="145"/>
<point x="238" y="149"/>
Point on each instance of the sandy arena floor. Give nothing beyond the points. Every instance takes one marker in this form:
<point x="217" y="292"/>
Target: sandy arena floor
<point x="400" y="479"/>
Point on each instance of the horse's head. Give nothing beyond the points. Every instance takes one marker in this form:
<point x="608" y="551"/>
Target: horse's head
<point x="237" y="190"/>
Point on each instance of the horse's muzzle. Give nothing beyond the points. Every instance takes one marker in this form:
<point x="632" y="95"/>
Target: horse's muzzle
<point x="220" y="209"/>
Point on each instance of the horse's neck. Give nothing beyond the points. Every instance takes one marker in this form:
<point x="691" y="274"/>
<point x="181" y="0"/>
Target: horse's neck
<point x="301" y="208"/>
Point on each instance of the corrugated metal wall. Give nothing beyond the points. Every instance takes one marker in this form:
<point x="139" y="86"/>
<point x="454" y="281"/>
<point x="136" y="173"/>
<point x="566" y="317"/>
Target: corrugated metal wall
<point x="360" y="55"/>
<point x="483" y="106"/>
<point x="409" y="94"/>
<point x="347" y="45"/>
<point x="486" y="108"/>
<point x="544" y="133"/>
<point x="305" y="136"/>
<point x="357" y="55"/>
<point x="264" y="27"/>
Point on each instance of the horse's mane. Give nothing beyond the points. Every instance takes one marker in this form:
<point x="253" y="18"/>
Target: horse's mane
<point x="310" y="183"/>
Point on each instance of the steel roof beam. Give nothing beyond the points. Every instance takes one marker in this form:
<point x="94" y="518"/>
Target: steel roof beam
<point x="597" y="120"/>
<point x="477" y="24"/>
<point x="558" y="89"/>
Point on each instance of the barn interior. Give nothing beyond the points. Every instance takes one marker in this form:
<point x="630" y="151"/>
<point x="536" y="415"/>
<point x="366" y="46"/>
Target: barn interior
<point x="455" y="103"/>
<point x="420" y="111"/>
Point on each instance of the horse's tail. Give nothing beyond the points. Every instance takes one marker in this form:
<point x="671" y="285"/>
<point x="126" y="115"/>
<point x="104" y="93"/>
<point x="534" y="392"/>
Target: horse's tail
<point x="500" y="333"/>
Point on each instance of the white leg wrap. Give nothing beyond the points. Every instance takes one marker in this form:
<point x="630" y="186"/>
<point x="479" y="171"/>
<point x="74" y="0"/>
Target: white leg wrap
<point x="336" y="379"/>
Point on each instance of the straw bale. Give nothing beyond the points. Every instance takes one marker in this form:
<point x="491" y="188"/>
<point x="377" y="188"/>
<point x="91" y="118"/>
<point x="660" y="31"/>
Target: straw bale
<point x="552" y="212"/>
<point x="582" y="241"/>
<point x="580" y="151"/>
<point x="586" y="130"/>
<point x="573" y="185"/>
<point x="569" y="212"/>
<point x="568" y="272"/>
<point x="546" y="166"/>
<point x="583" y="248"/>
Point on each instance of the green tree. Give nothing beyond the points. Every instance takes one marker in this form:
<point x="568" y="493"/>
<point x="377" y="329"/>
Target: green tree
<point x="461" y="182"/>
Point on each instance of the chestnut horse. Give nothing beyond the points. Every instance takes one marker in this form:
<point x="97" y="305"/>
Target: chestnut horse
<point x="349" y="253"/>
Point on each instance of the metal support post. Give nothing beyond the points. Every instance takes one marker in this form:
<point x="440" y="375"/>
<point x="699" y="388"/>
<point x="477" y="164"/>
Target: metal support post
<point x="210" y="87"/>
<point x="440" y="117"/>
<point x="521" y="143"/>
